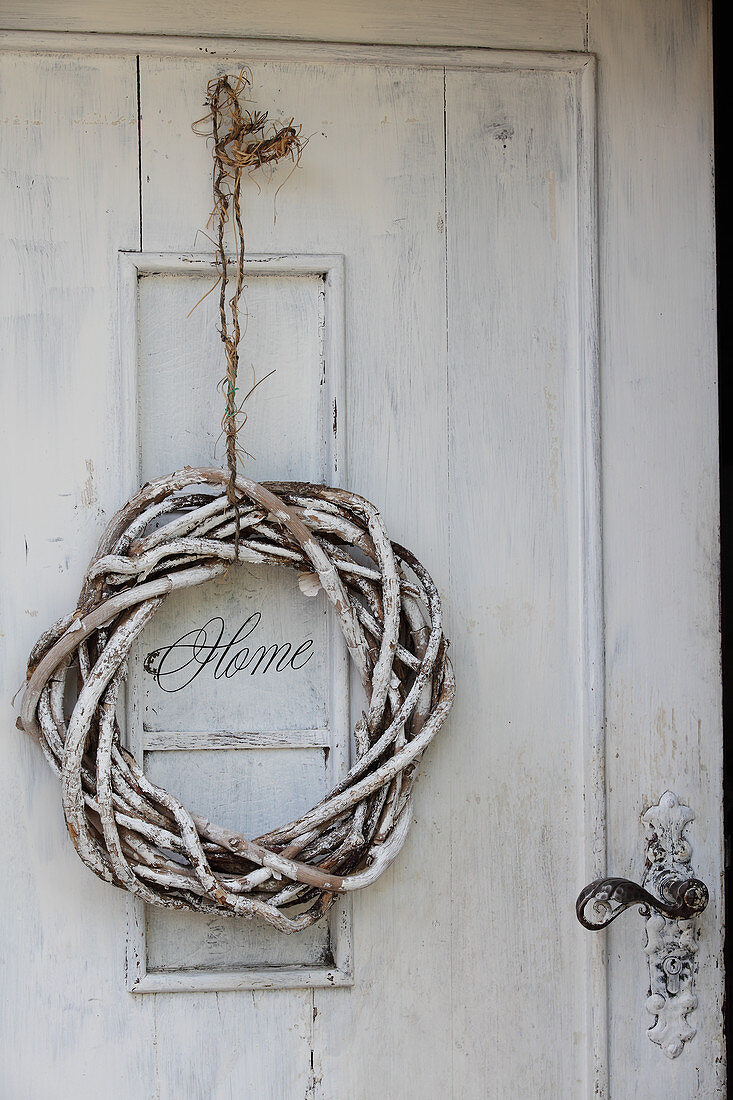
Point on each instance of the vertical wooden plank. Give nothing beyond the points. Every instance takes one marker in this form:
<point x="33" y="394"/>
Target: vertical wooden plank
<point x="660" y="494"/>
<point x="590" y="611"/>
<point x="176" y="166"/>
<point x="69" y="201"/>
<point x="370" y="186"/>
<point x="226" y="1046"/>
<point x="519" y="543"/>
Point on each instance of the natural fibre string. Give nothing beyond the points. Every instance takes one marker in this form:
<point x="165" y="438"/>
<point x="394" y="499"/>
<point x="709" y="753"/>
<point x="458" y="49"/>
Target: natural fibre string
<point x="243" y="142"/>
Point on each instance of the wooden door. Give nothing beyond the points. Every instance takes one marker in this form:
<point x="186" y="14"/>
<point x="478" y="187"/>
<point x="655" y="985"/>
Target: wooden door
<point x="487" y="294"/>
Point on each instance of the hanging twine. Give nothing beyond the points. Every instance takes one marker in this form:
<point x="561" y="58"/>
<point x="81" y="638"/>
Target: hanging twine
<point x="243" y="142"/>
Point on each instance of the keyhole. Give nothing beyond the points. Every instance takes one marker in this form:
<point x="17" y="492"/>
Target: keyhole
<point x="672" y="967"/>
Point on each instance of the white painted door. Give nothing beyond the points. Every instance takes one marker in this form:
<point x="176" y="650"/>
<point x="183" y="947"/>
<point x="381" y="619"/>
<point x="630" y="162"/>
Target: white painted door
<point x="501" y="263"/>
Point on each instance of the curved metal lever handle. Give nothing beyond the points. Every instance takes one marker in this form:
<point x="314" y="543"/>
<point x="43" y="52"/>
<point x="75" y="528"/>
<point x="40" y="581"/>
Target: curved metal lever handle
<point x="669" y="898"/>
<point x="602" y="901"/>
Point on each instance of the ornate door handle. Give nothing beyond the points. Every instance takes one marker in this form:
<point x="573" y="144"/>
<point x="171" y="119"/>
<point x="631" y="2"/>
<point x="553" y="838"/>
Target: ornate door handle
<point x="671" y="903"/>
<point x="606" y="898"/>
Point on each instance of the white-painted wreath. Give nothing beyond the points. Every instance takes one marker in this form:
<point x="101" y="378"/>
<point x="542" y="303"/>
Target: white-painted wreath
<point x="179" y="531"/>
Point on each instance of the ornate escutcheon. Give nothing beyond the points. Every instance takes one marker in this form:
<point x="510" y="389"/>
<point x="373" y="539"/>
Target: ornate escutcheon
<point x="670" y="898"/>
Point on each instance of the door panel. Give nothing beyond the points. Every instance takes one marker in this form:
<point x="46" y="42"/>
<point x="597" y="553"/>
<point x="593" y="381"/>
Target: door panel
<point x="238" y="692"/>
<point x="660" y="471"/>
<point x="69" y="185"/>
<point x="459" y="189"/>
<point x="524" y="544"/>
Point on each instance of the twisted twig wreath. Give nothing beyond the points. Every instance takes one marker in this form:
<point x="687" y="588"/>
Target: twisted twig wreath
<point x="172" y="535"/>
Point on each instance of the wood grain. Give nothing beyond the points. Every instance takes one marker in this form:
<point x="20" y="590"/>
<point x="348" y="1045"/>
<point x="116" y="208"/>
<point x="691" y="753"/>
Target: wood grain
<point x="543" y="24"/>
<point x="516" y="415"/>
<point x="474" y="398"/>
<point x="660" y="461"/>
<point x="70" y="200"/>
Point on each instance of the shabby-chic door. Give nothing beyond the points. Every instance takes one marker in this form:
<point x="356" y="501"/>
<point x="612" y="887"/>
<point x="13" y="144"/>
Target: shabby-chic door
<point x="487" y="295"/>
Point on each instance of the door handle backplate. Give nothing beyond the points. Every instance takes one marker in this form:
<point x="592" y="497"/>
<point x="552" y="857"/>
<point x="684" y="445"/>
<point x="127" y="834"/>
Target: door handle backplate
<point x="670" y="898"/>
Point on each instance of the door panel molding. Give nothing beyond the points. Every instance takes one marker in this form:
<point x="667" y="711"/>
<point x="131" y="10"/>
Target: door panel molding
<point x="224" y="50"/>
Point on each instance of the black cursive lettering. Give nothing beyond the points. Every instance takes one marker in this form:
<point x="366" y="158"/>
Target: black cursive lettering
<point x="177" y="665"/>
<point x="304" y="647"/>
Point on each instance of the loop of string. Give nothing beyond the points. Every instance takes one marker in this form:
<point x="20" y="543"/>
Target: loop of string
<point x="243" y="142"/>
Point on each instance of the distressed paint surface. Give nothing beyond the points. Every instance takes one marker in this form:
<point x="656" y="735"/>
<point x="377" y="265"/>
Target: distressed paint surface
<point x="70" y="201"/>
<point x="660" y="474"/>
<point x="511" y="195"/>
<point x="250" y="791"/>
<point x="180" y="425"/>
<point x="492" y="389"/>
<point x="258" y="697"/>
<point x="382" y="207"/>
<point x="522" y="24"/>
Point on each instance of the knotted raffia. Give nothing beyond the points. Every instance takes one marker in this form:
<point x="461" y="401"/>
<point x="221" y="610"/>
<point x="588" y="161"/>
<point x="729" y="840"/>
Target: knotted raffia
<point x="243" y="142"/>
<point x="177" y="532"/>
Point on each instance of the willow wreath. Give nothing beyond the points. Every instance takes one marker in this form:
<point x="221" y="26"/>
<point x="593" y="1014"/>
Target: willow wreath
<point x="179" y="531"/>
